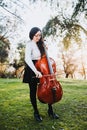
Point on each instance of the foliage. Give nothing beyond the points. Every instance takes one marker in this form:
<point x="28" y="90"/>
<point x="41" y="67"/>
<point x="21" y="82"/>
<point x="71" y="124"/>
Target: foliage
<point x="69" y="25"/>
<point x="21" y="62"/>
<point x="7" y="75"/>
<point x="4" y="47"/>
<point x="66" y="23"/>
<point x="73" y="33"/>
<point x="60" y="21"/>
<point x="21" y="49"/>
<point x="61" y="25"/>
<point x="16" y="111"/>
<point x="2" y="3"/>
<point x="7" y="5"/>
<point x="80" y="7"/>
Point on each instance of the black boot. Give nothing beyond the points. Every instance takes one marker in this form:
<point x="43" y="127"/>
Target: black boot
<point x="51" y="113"/>
<point x="37" y="117"/>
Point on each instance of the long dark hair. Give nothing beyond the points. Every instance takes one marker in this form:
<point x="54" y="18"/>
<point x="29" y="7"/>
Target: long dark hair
<point x="41" y="46"/>
<point x="32" y="33"/>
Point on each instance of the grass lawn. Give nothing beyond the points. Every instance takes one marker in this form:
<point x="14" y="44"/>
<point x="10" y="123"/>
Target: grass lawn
<point x="16" y="112"/>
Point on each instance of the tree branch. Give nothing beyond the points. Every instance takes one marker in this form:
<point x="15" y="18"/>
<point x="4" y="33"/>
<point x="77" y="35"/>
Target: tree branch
<point x="12" y="13"/>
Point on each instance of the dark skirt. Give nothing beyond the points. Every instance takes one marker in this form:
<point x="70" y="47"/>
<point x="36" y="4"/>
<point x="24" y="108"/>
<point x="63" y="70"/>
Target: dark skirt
<point x="29" y="75"/>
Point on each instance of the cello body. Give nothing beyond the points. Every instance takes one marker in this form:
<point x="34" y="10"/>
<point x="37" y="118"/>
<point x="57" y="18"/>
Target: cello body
<point x="49" y="89"/>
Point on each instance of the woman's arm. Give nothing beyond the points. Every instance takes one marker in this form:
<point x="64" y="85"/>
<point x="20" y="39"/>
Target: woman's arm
<point x="29" y="62"/>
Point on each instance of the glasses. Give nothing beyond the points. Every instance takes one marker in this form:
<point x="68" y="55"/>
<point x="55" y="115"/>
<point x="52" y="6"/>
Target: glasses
<point x="38" y="35"/>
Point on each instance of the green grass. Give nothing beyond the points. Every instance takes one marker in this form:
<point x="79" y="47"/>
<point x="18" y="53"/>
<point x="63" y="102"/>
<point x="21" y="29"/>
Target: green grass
<point x="16" y="111"/>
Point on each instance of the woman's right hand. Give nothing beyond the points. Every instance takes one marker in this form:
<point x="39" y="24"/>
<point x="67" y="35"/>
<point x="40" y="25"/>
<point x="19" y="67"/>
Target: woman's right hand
<point x="38" y="74"/>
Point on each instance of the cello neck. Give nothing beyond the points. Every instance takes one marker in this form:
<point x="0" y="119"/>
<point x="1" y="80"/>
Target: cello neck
<point x="48" y="59"/>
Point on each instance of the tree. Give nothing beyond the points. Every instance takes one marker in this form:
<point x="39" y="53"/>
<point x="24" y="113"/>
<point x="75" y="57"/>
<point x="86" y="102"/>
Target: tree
<point x="21" y="49"/>
<point x="69" y="64"/>
<point x="80" y="7"/>
<point x="66" y="27"/>
<point x="20" y="62"/>
<point x="4" y="48"/>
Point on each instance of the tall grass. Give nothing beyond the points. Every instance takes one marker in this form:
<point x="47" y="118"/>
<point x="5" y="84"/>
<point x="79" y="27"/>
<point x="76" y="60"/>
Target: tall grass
<point x="16" y="111"/>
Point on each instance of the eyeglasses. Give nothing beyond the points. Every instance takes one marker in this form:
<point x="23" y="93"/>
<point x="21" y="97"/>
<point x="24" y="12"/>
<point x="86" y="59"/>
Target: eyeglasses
<point x="38" y="35"/>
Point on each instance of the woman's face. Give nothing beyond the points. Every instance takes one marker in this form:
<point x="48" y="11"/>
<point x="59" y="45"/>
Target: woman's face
<point x="37" y="36"/>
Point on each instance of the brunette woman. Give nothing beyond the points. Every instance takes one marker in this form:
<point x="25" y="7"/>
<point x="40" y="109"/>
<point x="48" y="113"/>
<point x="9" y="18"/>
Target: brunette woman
<point x="33" y="52"/>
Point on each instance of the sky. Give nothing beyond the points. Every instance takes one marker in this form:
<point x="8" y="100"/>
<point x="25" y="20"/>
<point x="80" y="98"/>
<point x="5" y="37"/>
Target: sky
<point x="38" y="14"/>
<point x="35" y="14"/>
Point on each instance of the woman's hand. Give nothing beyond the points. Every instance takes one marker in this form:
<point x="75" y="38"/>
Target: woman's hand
<point x="38" y="74"/>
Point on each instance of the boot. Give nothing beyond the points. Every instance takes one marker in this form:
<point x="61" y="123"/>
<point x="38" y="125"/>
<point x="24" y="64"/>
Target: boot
<point x="37" y="117"/>
<point x="51" y="113"/>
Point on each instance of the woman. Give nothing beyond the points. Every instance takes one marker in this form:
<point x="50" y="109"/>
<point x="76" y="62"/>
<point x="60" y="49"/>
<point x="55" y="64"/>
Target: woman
<point x="33" y="52"/>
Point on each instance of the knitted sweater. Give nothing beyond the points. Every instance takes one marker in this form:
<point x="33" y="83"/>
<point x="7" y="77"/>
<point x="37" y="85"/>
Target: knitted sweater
<point x="32" y="52"/>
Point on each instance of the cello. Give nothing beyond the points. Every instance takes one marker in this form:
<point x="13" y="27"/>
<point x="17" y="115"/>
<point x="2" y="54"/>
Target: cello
<point x="49" y="90"/>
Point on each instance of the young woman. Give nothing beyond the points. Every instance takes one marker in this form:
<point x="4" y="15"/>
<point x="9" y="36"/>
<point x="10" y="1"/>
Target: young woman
<point x="33" y="52"/>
